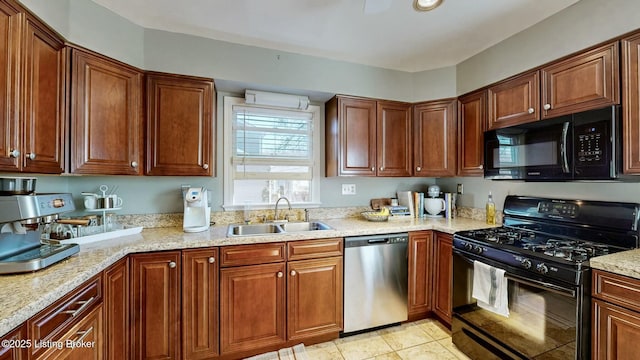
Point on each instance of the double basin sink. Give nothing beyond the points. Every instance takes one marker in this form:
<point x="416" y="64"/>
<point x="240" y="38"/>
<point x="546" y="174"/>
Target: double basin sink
<point x="275" y="228"/>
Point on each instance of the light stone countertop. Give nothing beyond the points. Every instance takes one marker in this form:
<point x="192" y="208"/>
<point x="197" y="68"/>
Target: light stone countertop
<point x="24" y="295"/>
<point x="625" y="263"/>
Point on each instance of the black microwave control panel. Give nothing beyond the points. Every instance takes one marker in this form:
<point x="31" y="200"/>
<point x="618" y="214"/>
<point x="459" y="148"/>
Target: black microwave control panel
<point x="590" y="141"/>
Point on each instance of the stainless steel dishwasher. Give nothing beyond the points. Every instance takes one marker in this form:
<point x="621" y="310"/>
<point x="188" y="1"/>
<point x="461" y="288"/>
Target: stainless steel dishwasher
<point x="375" y="281"/>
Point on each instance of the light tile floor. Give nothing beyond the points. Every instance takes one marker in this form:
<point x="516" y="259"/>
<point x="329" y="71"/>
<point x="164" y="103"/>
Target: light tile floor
<point x="424" y="339"/>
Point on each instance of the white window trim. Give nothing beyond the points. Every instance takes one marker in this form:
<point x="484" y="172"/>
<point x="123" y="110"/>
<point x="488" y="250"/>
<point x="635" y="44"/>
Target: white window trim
<point x="229" y="102"/>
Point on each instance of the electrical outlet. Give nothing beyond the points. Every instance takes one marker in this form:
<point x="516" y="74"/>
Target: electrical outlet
<point x="348" y="189"/>
<point x="460" y="189"/>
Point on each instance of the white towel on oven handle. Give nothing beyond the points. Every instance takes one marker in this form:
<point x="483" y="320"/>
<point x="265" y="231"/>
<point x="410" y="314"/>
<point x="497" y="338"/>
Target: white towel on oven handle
<point x="490" y="288"/>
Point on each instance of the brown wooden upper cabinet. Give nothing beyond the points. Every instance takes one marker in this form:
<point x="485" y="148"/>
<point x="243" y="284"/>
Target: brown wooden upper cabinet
<point x="434" y="138"/>
<point x="471" y="125"/>
<point x="631" y="104"/>
<point x="180" y="125"/>
<point x="33" y="132"/>
<point x="106" y="116"/>
<point x="588" y="80"/>
<point x="514" y="101"/>
<point x="365" y="137"/>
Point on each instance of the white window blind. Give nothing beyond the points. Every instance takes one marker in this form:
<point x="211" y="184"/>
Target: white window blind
<point x="273" y="153"/>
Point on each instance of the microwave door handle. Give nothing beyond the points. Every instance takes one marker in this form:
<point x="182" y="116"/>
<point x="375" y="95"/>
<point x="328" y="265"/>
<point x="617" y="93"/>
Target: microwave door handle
<point x="563" y="148"/>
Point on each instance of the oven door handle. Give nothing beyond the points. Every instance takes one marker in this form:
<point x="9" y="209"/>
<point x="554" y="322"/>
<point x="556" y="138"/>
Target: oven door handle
<point x="551" y="287"/>
<point x="539" y="284"/>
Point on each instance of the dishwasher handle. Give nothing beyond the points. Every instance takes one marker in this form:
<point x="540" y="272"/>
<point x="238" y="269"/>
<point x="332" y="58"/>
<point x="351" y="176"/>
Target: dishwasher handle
<point x="373" y="240"/>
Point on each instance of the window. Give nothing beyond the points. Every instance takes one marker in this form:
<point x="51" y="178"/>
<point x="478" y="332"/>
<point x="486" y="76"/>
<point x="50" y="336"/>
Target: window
<point x="269" y="153"/>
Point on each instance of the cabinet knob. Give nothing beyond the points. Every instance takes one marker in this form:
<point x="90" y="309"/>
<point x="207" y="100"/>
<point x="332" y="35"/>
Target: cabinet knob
<point x="373" y="168"/>
<point x="280" y="274"/>
<point x="547" y="106"/>
<point x="172" y="264"/>
<point x="381" y="168"/>
<point x="481" y="167"/>
<point x="14" y="153"/>
<point x="531" y="110"/>
<point x="293" y="273"/>
<point x="134" y="164"/>
<point x="205" y="166"/>
<point x="418" y="168"/>
<point x="212" y="260"/>
<point x="31" y="156"/>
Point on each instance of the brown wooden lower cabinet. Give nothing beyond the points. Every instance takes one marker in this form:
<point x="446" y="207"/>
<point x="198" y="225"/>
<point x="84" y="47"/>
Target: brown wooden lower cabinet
<point x="420" y="269"/>
<point x="155" y="305"/>
<point x="116" y="311"/>
<point x="442" y="276"/>
<point x="84" y="341"/>
<point x="314" y="290"/>
<point x="252" y="307"/>
<point x="17" y="346"/>
<point x="200" y="304"/>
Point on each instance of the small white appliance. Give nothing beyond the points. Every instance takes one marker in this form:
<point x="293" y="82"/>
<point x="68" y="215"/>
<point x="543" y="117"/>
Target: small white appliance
<point x="196" y="210"/>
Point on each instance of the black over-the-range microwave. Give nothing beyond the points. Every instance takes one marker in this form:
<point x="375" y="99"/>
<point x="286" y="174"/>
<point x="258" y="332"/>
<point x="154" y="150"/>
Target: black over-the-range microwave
<point x="580" y="146"/>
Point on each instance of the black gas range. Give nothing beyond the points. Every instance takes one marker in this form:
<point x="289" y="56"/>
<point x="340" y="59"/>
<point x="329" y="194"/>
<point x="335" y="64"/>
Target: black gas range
<point x="544" y="247"/>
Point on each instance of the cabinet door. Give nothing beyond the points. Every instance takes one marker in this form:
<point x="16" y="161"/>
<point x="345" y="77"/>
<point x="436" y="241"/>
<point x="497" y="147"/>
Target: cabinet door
<point x="420" y="270"/>
<point x="252" y="307"/>
<point x="514" y="101"/>
<point x="43" y="107"/>
<point x="434" y="138"/>
<point x="88" y="339"/>
<point x="631" y="104"/>
<point x="314" y="291"/>
<point x="443" y="276"/>
<point x="116" y="311"/>
<point x="394" y="155"/>
<point x="106" y="116"/>
<point x="199" y="304"/>
<point x="179" y="125"/>
<point x="16" y="352"/>
<point x="155" y="298"/>
<point x="586" y="81"/>
<point x="471" y="125"/>
<point x="351" y="137"/>
<point x="616" y="331"/>
<point x="9" y="50"/>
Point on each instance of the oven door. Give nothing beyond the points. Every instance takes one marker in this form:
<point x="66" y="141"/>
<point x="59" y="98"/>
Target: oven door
<point x="546" y="320"/>
<point x="534" y="151"/>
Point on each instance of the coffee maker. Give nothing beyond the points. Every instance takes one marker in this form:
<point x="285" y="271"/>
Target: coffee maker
<point x="21" y="219"/>
<point x="196" y="210"/>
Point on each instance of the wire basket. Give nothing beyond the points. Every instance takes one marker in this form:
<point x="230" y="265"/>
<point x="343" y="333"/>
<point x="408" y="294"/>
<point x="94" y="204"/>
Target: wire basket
<point x="374" y="216"/>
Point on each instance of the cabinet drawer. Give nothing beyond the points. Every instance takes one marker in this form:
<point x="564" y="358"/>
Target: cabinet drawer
<point x="309" y="249"/>
<point x="50" y="323"/>
<point x="252" y="254"/>
<point x="617" y="289"/>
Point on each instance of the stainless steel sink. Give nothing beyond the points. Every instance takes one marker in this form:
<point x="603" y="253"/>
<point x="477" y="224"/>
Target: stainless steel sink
<point x="275" y="228"/>
<point x="304" y="226"/>
<point x="254" y="229"/>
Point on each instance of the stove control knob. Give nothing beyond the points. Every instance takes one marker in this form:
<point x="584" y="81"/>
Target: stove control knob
<point x="477" y="249"/>
<point x="542" y="268"/>
<point x="526" y="263"/>
<point x="468" y="246"/>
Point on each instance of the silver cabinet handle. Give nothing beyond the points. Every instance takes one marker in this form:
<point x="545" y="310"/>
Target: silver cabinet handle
<point x="531" y="110"/>
<point x="83" y="334"/>
<point x="547" y="106"/>
<point x="14" y="153"/>
<point x="280" y="274"/>
<point x="205" y="166"/>
<point x="31" y="156"/>
<point x="172" y="264"/>
<point x="84" y="304"/>
<point x="134" y="164"/>
<point x="418" y="168"/>
<point x="212" y="260"/>
<point x="293" y="273"/>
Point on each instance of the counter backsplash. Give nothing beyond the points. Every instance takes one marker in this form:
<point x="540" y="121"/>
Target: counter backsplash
<point x="234" y="217"/>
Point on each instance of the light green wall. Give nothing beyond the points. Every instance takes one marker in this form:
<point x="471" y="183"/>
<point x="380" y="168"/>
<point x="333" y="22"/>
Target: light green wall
<point x="85" y="23"/>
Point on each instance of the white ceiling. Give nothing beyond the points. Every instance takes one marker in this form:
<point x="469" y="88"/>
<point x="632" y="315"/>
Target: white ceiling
<point x="391" y="35"/>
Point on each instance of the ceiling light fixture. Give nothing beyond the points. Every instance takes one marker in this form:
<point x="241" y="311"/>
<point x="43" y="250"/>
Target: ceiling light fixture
<point x="426" y="5"/>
